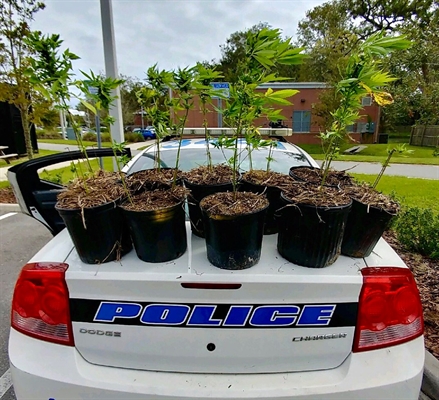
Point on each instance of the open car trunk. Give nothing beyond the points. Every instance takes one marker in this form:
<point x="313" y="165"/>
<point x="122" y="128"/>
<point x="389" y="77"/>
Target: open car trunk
<point x="274" y="317"/>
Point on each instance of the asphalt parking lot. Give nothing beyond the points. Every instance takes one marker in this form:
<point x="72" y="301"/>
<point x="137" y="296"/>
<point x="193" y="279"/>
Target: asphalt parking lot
<point x="20" y="238"/>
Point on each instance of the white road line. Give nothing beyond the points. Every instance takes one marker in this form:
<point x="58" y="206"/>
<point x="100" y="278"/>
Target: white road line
<point x="5" y="382"/>
<point x="7" y="215"/>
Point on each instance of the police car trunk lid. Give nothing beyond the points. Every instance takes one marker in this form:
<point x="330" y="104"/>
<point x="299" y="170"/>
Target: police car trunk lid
<point x="276" y="316"/>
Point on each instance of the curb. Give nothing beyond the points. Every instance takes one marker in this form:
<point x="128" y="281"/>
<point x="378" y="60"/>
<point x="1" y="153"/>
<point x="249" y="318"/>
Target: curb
<point x="10" y="207"/>
<point x="430" y="380"/>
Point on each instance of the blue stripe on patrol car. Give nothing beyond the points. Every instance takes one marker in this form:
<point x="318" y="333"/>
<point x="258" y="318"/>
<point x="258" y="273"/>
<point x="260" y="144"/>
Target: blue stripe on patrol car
<point x="211" y="315"/>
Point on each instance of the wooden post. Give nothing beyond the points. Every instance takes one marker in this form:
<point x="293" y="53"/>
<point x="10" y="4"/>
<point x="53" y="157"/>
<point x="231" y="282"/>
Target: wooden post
<point x="423" y="134"/>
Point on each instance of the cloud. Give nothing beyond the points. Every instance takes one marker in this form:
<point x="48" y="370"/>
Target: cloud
<point x="171" y="33"/>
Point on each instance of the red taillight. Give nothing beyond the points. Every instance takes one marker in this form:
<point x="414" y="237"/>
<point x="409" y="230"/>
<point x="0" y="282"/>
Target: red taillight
<point x="389" y="311"/>
<point x="40" y="305"/>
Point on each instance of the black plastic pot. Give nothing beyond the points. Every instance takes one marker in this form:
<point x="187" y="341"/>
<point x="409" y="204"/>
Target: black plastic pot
<point x="311" y="236"/>
<point x="158" y="235"/>
<point x="364" y="227"/>
<point x="198" y="193"/>
<point x="105" y="236"/>
<point x="234" y="242"/>
<point x="293" y="174"/>
<point x="272" y="193"/>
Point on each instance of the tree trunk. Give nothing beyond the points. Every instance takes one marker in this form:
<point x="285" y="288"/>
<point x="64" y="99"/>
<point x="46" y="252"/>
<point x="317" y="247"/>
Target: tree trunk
<point x="26" y="131"/>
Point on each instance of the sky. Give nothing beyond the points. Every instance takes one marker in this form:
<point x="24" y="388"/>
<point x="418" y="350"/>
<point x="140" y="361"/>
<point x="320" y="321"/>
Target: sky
<point x="172" y="33"/>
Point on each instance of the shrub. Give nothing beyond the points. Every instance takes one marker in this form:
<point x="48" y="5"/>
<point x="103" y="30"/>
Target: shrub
<point x="134" y="137"/>
<point x="89" y="137"/>
<point x="105" y="137"/>
<point x="418" y="230"/>
<point x="48" y="134"/>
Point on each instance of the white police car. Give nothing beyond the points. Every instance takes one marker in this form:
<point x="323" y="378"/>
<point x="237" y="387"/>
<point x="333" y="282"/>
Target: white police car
<point x="187" y="330"/>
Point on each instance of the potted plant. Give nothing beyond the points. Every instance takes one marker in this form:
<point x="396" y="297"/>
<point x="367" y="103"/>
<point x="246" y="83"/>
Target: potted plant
<point x="234" y="220"/>
<point x="265" y="181"/>
<point x="207" y="179"/>
<point x="371" y="214"/>
<point x="319" y="212"/>
<point x="155" y="213"/>
<point x="88" y="206"/>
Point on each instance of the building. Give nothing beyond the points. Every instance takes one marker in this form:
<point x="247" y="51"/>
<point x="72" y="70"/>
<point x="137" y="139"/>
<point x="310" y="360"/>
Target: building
<point x="299" y="116"/>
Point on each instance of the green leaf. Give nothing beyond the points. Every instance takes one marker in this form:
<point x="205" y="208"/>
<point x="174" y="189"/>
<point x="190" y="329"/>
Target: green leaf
<point x="89" y="106"/>
<point x="284" y="93"/>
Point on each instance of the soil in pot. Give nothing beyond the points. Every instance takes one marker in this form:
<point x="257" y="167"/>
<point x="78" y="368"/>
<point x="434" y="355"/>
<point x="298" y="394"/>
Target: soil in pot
<point x="151" y="179"/>
<point x="234" y="224"/>
<point x="369" y="217"/>
<point x="156" y="220"/>
<point x="270" y="183"/>
<point x="95" y="223"/>
<point x="311" y="224"/>
<point x="204" y="181"/>
<point x="314" y="176"/>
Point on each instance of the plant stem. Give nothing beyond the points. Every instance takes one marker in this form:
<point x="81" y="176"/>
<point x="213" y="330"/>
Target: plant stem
<point x="385" y="165"/>
<point x="78" y="136"/>
<point x="206" y="134"/>
<point x="125" y="187"/>
<point x="177" y="163"/>
<point x="235" y="152"/>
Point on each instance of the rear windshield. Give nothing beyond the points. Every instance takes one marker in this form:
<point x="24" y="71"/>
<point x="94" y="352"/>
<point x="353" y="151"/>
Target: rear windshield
<point x="190" y="158"/>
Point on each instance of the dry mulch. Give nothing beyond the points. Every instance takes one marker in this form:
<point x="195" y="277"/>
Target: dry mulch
<point x="7" y="196"/>
<point x="229" y="203"/>
<point x="366" y="195"/>
<point x="317" y="196"/>
<point x="426" y="273"/>
<point x="156" y="199"/>
<point x="94" y="191"/>
<point x="267" y="178"/>
<point x="314" y="176"/>
<point x="203" y="175"/>
<point x="152" y="179"/>
<point x="425" y="270"/>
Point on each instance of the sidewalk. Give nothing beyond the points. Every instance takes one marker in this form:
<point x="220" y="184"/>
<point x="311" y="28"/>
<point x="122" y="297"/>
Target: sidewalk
<point x="408" y="170"/>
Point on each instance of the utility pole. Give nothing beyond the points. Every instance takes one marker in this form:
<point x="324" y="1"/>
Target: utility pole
<point x="117" y="131"/>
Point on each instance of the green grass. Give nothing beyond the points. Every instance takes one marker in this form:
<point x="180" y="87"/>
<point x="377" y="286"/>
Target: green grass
<point x="65" y="174"/>
<point x="4" y="184"/>
<point x="41" y="153"/>
<point x="412" y="192"/>
<point x="378" y="153"/>
<point x="399" y="137"/>
<point x="73" y="142"/>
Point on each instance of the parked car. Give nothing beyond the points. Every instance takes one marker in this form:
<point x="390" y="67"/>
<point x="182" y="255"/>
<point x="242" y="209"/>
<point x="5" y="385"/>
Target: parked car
<point x="147" y="133"/>
<point x="188" y="330"/>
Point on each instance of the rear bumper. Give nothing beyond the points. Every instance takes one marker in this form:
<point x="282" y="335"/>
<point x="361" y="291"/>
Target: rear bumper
<point x="43" y="371"/>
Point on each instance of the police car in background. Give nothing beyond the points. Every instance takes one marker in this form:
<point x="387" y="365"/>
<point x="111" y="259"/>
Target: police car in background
<point x="187" y="330"/>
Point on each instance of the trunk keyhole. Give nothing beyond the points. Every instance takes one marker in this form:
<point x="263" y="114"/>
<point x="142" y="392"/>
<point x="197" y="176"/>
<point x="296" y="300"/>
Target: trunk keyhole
<point x="211" y="347"/>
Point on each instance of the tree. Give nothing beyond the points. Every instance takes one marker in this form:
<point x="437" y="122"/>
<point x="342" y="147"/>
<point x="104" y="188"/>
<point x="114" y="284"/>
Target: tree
<point x="328" y="36"/>
<point x="390" y="15"/>
<point x="416" y="93"/>
<point x="233" y="52"/>
<point x="333" y="30"/>
<point x="16" y="89"/>
<point x="130" y="104"/>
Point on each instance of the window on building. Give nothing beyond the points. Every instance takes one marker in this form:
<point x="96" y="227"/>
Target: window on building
<point x="301" y="121"/>
<point x="366" y="101"/>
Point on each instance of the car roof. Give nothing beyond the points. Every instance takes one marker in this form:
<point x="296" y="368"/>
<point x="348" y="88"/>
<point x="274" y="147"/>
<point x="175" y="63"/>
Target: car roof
<point x="200" y="143"/>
